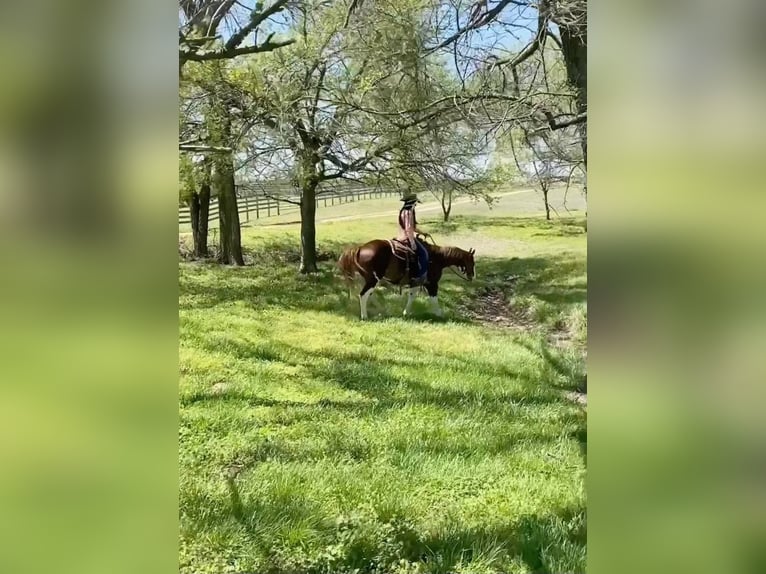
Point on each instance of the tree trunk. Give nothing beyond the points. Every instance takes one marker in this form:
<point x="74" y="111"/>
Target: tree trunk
<point x="446" y="205"/>
<point x="204" y="215"/>
<point x="228" y="216"/>
<point x="193" y="203"/>
<point x="199" y="210"/>
<point x="308" y="228"/>
<point x="545" y="199"/>
<point x="574" y="46"/>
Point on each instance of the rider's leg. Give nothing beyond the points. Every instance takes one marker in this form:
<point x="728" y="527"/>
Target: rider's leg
<point x="422" y="259"/>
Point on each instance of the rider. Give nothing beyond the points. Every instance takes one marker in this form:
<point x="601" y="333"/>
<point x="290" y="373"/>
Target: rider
<point x="408" y="227"/>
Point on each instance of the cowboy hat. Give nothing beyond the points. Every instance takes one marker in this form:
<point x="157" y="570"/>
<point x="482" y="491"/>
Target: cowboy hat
<point x="410" y="197"/>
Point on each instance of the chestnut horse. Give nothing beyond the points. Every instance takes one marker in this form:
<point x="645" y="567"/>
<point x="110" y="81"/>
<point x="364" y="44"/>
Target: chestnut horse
<point x="381" y="260"/>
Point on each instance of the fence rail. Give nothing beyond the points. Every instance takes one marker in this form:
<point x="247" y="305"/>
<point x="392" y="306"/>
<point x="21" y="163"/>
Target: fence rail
<point x="256" y="206"/>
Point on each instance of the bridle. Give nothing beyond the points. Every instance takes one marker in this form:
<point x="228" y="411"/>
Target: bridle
<point x="463" y="276"/>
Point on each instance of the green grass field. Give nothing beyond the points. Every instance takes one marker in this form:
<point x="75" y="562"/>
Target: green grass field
<point x="313" y="442"/>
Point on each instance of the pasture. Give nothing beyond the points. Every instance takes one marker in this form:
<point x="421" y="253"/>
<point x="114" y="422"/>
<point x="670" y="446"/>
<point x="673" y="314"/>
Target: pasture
<point x="313" y="442"/>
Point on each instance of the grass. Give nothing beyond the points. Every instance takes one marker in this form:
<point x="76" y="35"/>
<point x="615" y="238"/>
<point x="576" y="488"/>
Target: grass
<point x="313" y="442"/>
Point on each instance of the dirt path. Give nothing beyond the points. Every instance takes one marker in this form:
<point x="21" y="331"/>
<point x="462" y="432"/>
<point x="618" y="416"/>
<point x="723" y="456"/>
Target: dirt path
<point x="387" y="213"/>
<point x="425" y="208"/>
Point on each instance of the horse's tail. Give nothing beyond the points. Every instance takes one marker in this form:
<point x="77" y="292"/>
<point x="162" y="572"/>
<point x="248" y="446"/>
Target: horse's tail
<point x="348" y="264"/>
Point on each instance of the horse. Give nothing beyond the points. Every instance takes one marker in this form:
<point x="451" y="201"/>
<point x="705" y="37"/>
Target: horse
<point x="387" y="260"/>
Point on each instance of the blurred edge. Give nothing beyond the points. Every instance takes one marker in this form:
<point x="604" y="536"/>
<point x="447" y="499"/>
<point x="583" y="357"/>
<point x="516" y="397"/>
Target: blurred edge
<point x="88" y="375"/>
<point x="88" y="121"/>
<point x="677" y="274"/>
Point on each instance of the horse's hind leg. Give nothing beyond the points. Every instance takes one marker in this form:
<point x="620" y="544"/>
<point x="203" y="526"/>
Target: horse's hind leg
<point x="349" y="286"/>
<point x="369" y="286"/>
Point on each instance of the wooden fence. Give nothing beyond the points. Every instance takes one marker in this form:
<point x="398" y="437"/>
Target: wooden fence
<point x="257" y="206"/>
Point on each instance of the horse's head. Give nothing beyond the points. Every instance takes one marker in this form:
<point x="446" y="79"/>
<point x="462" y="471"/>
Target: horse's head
<point x="467" y="265"/>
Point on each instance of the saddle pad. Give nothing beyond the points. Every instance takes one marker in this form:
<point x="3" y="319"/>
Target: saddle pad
<point x="400" y="249"/>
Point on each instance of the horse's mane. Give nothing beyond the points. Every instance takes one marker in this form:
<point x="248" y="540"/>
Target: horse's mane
<point x="449" y="252"/>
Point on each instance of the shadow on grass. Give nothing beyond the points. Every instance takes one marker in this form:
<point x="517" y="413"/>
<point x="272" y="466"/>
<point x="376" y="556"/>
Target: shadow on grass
<point x="272" y="281"/>
<point x="546" y="544"/>
<point x="380" y="386"/>
<point x="547" y="278"/>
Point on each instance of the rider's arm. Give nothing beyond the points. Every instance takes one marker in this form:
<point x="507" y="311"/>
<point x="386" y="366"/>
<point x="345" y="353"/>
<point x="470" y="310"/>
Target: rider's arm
<point x="417" y="229"/>
<point x="409" y="227"/>
<point x="415" y="226"/>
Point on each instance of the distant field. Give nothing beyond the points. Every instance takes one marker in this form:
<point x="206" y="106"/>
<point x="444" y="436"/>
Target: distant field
<point x="313" y="442"/>
<point x="512" y="201"/>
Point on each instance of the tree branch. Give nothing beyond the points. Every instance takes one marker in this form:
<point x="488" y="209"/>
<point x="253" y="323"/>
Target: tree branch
<point x="190" y="49"/>
<point x="203" y="148"/>
<point x="537" y="41"/>
<point x="554" y="125"/>
<point x="186" y="54"/>
<point x="474" y="24"/>
<point x="257" y="17"/>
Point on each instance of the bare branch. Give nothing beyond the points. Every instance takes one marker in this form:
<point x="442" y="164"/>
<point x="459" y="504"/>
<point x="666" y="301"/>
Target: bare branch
<point x="554" y="125"/>
<point x="257" y="17"/>
<point x="186" y="54"/>
<point x="475" y="23"/>
<point x="191" y="48"/>
<point x="202" y="148"/>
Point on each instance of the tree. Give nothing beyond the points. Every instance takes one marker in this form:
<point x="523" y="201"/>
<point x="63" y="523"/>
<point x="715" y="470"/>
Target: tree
<point x="223" y="112"/>
<point x="198" y="30"/>
<point x="447" y="162"/>
<point x="195" y="192"/>
<point x="563" y="22"/>
<point x="323" y="109"/>
<point x="546" y="158"/>
<point x="201" y="40"/>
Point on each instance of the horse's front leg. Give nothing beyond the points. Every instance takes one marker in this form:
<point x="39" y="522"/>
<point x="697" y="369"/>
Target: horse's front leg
<point x="433" y="294"/>
<point x="410" y="298"/>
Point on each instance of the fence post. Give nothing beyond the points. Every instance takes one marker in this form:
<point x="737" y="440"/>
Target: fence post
<point x="268" y="207"/>
<point x="247" y="209"/>
<point x="277" y="207"/>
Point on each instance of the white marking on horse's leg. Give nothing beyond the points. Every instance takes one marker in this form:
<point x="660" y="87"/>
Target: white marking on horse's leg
<point x="435" y="305"/>
<point x="363" y="302"/>
<point x="410" y="299"/>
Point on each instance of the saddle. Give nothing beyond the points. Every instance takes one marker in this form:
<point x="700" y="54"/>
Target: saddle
<point x="403" y="252"/>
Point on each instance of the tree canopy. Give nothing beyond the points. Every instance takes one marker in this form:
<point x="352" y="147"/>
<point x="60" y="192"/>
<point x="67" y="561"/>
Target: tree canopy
<point x="403" y="93"/>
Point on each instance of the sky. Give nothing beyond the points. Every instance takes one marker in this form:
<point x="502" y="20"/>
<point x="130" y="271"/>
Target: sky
<point x="510" y="33"/>
<point x="514" y="29"/>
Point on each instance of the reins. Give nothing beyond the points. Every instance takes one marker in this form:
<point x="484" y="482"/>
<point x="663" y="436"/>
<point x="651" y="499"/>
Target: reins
<point x="463" y="277"/>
